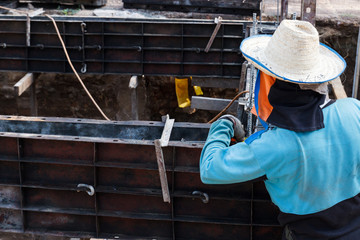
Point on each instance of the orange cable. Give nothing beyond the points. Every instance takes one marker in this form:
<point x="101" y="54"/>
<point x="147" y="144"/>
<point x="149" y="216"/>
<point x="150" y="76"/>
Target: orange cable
<point x="227" y="107"/>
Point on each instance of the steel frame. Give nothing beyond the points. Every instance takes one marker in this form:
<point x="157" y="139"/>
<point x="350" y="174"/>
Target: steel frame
<point x="123" y="46"/>
<point x="200" y="6"/>
<point x="42" y="161"/>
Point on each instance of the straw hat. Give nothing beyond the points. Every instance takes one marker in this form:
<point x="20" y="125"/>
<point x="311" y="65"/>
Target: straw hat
<point x="293" y="53"/>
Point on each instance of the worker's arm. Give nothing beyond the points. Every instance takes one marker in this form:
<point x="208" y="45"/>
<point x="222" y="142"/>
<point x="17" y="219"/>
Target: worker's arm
<point x="221" y="164"/>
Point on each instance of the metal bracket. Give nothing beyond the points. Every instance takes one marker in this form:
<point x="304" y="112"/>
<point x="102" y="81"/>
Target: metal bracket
<point x="87" y="188"/>
<point x="203" y="196"/>
<point x="159" y="143"/>
<point x="308" y="11"/>
<point x="218" y="22"/>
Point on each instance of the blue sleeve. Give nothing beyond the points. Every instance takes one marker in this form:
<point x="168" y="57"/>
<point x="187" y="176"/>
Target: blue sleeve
<point x="224" y="164"/>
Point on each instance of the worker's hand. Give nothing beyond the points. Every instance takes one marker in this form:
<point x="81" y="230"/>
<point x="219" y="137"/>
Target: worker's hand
<point x="239" y="132"/>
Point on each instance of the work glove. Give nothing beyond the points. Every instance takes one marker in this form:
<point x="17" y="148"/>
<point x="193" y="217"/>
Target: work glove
<point x="239" y="132"/>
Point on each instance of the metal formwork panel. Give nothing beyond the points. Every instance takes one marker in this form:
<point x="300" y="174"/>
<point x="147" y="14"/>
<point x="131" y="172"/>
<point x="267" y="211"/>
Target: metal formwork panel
<point x="42" y="161"/>
<point x="69" y="2"/>
<point x="246" y="8"/>
<point x="122" y="46"/>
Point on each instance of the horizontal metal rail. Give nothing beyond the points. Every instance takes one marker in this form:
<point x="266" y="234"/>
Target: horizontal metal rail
<point x="203" y="6"/>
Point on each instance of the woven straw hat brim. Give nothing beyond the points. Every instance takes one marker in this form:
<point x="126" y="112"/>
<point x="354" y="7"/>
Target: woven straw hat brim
<point x="329" y="66"/>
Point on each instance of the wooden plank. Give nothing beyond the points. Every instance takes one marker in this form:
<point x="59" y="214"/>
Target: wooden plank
<point x="23" y="84"/>
<point x="338" y="88"/>
<point x="165" y="136"/>
<point x="162" y="171"/>
<point x="308" y="11"/>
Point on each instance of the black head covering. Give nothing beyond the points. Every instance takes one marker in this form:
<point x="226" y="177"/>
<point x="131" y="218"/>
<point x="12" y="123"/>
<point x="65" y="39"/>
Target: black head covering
<point x="295" y="109"/>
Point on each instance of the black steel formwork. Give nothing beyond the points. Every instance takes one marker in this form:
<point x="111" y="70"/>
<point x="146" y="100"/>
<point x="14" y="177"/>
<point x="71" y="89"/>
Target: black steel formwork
<point x="96" y="3"/>
<point x="243" y="8"/>
<point x="42" y="161"/>
<point x="122" y="46"/>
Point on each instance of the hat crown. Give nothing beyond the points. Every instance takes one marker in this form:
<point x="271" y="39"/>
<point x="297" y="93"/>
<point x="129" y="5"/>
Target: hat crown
<point x="296" y="43"/>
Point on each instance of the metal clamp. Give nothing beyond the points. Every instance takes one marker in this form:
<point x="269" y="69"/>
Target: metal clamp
<point x="83" y="27"/>
<point x="83" y="69"/>
<point x="87" y="188"/>
<point x="40" y="46"/>
<point x="203" y="196"/>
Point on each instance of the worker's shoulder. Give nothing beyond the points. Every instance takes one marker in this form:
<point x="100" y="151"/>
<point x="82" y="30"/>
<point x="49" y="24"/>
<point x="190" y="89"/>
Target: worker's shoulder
<point x="347" y="102"/>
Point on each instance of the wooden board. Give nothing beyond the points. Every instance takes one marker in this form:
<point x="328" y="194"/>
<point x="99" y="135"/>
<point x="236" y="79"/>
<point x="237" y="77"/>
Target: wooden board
<point x="338" y="88"/>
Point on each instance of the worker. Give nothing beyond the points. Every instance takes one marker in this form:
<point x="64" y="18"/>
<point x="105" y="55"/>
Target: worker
<point x="308" y="154"/>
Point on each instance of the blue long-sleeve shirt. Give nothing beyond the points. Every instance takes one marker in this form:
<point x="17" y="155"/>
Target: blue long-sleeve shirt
<point x="307" y="172"/>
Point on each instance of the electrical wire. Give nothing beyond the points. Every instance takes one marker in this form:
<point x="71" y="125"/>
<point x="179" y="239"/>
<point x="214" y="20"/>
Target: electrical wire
<point x="227" y="107"/>
<point x="73" y="69"/>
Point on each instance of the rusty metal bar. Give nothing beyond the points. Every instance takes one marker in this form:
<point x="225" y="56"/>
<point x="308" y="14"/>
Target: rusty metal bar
<point x="308" y="11"/>
<point x="284" y="9"/>
<point x="213" y="35"/>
